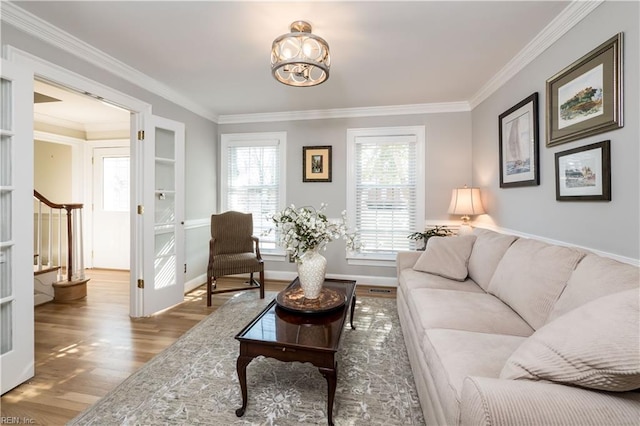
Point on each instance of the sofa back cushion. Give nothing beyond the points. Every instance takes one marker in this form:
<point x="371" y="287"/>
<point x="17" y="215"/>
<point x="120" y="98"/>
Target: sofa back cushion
<point x="594" y="277"/>
<point x="531" y="276"/>
<point x="595" y="346"/>
<point x="446" y="256"/>
<point x="487" y="251"/>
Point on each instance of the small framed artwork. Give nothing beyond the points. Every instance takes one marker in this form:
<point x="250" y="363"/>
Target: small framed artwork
<point x="316" y="163"/>
<point x="519" y="144"/>
<point x="585" y="98"/>
<point x="584" y="173"/>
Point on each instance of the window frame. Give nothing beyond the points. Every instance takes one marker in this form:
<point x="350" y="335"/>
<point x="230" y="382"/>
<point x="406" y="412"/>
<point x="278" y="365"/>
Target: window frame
<point x="380" y="259"/>
<point x="279" y="139"/>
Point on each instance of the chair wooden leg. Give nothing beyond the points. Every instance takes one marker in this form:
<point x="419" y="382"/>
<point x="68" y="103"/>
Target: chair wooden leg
<point x="262" y="284"/>
<point x="209" y="290"/>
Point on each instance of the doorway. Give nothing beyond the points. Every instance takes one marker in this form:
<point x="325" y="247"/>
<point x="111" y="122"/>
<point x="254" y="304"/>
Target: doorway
<point x="96" y="173"/>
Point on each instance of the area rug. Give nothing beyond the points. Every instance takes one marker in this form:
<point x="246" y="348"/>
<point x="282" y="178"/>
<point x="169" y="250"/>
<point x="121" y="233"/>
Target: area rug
<point x="194" y="381"/>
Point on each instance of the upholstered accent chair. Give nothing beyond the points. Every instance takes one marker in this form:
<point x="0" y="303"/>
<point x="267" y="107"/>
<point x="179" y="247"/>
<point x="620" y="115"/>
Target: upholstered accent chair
<point x="233" y="249"/>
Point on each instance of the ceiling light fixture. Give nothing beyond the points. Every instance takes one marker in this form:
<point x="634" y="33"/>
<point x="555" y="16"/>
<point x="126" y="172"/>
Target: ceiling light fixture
<point x="300" y="58"/>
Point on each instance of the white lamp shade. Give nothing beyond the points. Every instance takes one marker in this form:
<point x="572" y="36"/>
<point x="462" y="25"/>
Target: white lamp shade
<point x="466" y="201"/>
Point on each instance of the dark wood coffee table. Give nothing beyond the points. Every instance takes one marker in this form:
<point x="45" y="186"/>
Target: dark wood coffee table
<point x="289" y="336"/>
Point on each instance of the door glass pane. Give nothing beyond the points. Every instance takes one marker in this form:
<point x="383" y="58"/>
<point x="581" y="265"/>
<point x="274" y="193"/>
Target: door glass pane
<point x="166" y="243"/>
<point x="165" y="178"/>
<point x="164" y="144"/>
<point x="116" y="184"/>
<point x="165" y="208"/>
<point x="5" y="160"/>
<point x="165" y="271"/>
<point x="5" y="110"/>
<point x="6" y="327"/>
<point x="5" y="215"/>
<point x="5" y="272"/>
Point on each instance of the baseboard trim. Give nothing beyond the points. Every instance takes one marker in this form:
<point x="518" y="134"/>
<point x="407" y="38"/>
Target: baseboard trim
<point x="290" y="276"/>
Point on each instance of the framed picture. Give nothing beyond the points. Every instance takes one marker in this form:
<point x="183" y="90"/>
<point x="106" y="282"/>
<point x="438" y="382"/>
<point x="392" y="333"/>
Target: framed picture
<point x="584" y="173"/>
<point x="519" y="144"/>
<point x="316" y="163"/>
<point x="585" y="98"/>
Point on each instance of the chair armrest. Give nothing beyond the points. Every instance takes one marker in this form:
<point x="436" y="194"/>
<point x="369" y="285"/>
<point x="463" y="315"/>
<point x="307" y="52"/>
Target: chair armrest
<point x="256" y="241"/>
<point x="496" y="402"/>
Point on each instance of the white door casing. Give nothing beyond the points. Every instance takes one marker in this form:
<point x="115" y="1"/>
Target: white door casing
<point x="162" y="214"/>
<point x="141" y="119"/>
<point x="110" y="207"/>
<point x="16" y="226"/>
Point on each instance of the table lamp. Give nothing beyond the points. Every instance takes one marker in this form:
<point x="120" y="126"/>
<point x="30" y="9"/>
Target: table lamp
<point x="465" y="201"/>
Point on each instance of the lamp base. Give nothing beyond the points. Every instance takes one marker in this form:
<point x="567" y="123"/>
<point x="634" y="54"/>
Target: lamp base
<point x="465" y="228"/>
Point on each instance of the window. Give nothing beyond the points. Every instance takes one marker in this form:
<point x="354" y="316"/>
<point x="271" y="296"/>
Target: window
<point x="253" y="179"/>
<point x="115" y="191"/>
<point x="385" y="192"/>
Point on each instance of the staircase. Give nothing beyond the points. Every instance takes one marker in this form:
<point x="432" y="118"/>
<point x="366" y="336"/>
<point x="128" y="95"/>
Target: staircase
<point x="43" y="285"/>
<point x="54" y="253"/>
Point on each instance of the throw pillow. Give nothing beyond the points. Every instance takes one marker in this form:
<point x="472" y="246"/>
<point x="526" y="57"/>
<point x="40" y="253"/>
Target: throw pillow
<point x="447" y="256"/>
<point x="596" y="346"/>
<point x="531" y="276"/>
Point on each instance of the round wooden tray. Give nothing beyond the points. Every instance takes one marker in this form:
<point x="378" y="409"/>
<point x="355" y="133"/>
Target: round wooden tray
<point x="293" y="300"/>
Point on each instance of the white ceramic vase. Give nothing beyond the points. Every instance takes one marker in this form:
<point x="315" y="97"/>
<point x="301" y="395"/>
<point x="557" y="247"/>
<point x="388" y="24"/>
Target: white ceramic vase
<point x="311" y="269"/>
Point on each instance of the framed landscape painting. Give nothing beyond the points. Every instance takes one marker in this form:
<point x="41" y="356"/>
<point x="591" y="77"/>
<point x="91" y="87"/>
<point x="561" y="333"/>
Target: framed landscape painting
<point x="585" y="98"/>
<point x="316" y="163"/>
<point x="584" y="173"/>
<point x="518" y="135"/>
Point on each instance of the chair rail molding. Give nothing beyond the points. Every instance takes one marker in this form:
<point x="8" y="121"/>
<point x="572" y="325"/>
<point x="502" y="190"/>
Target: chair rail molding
<point x="619" y="258"/>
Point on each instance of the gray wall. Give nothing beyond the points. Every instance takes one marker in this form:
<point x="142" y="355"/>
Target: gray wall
<point x="448" y="165"/>
<point x="201" y="135"/>
<point x="612" y="227"/>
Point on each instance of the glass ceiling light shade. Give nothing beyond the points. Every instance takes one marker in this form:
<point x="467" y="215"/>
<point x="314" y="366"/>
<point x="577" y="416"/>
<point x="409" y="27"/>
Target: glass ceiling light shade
<point x="300" y="58"/>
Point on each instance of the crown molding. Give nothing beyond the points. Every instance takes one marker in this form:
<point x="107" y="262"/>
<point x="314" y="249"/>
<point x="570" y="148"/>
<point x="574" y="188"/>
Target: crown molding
<point x="55" y="121"/>
<point x="320" y="114"/>
<point x="41" y="29"/>
<point x="84" y="127"/>
<point x="559" y="26"/>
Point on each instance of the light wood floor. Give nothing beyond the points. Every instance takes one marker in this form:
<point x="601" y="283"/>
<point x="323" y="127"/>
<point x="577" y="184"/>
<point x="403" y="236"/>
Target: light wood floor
<point x="85" y="348"/>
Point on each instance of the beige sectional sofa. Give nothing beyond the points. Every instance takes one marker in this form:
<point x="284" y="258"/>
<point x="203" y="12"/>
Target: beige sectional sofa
<point x="503" y="330"/>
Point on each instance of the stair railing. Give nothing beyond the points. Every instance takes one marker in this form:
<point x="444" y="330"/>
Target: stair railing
<point x="74" y="262"/>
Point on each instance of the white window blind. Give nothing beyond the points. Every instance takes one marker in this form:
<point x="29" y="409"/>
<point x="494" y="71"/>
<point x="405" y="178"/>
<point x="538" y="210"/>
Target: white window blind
<point x="253" y="180"/>
<point x="386" y="189"/>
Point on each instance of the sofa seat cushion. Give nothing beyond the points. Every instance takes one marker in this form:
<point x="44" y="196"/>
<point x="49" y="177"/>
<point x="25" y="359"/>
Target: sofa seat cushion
<point x="453" y="355"/>
<point x="487" y="251"/>
<point x="410" y="279"/>
<point x="461" y="310"/>
<point x="595" y="346"/>
<point x="594" y="277"/>
<point x="447" y="257"/>
<point x="531" y="276"/>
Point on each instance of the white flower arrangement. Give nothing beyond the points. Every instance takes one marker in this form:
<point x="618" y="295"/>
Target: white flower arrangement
<point x="305" y="228"/>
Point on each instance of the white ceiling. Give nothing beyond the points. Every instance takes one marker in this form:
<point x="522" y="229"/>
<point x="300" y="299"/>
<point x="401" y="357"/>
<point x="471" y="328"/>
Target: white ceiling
<point x="76" y="111"/>
<point x="383" y="53"/>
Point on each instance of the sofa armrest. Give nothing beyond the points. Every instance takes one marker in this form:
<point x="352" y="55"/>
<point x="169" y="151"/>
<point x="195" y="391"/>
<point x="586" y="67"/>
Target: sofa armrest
<point x="492" y="402"/>
<point x="406" y="259"/>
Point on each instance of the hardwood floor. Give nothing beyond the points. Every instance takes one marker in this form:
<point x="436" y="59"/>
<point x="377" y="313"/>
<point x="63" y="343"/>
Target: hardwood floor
<point x="85" y="348"/>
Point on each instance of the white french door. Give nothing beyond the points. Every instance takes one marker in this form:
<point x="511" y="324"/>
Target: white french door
<point x="16" y="226"/>
<point x="111" y="201"/>
<point x="161" y="215"/>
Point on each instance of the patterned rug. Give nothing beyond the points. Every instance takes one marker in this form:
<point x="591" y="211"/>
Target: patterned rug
<point x="194" y="381"/>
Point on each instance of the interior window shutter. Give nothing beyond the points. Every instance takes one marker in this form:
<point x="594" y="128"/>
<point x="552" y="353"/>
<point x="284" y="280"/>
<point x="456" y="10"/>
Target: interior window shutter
<point x="386" y="187"/>
<point x="253" y="185"/>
